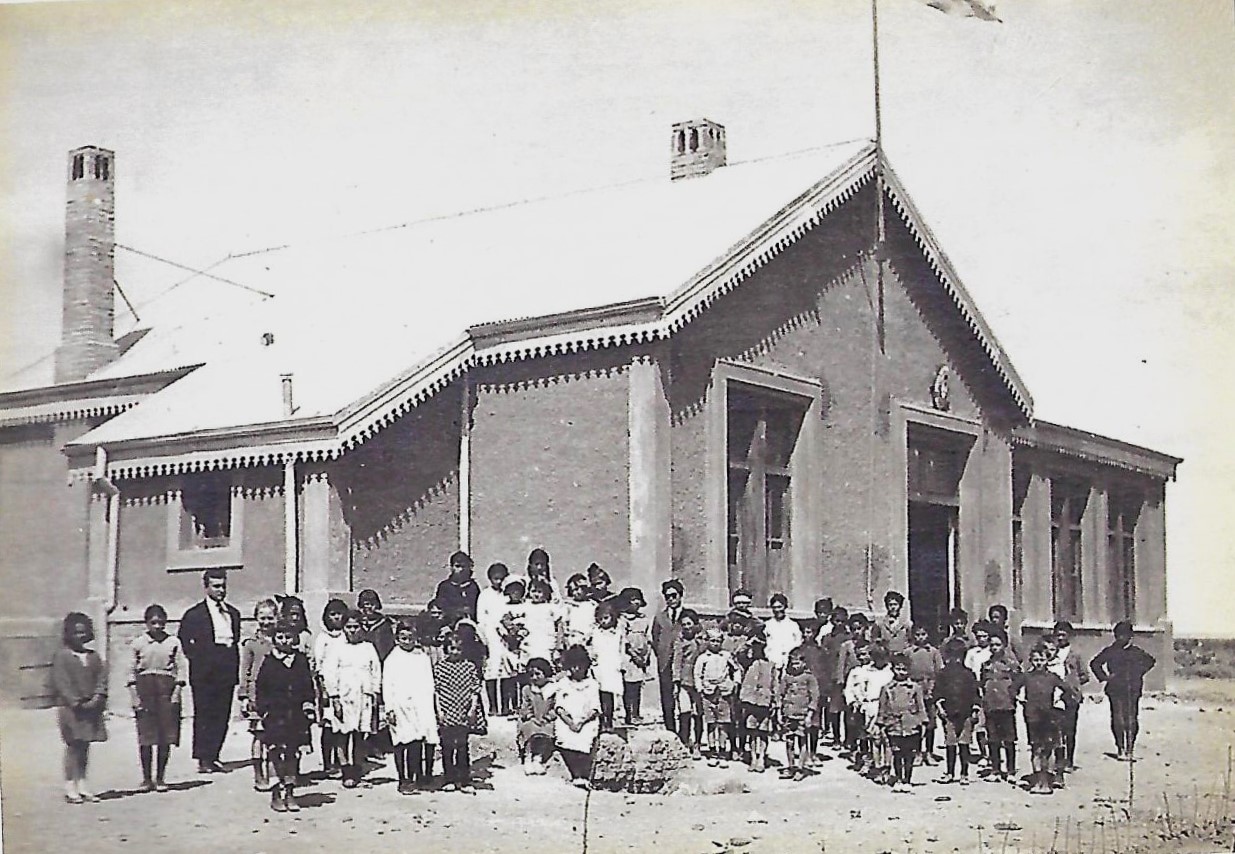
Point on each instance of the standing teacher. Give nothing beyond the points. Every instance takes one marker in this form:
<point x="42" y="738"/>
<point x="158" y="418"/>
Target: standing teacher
<point x="210" y="634"/>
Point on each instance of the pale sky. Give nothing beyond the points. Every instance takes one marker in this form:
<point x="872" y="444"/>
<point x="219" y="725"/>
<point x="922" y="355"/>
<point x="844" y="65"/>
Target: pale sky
<point x="1075" y="161"/>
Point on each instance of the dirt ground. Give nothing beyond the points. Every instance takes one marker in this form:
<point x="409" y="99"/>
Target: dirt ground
<point x="1185" y="746"/>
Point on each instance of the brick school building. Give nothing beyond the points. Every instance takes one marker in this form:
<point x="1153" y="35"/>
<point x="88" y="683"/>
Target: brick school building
<point x="721" y="376"/>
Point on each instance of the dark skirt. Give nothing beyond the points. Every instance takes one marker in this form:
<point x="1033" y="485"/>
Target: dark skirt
<point x="77" y="725"/>
<point x="158" y="723"/>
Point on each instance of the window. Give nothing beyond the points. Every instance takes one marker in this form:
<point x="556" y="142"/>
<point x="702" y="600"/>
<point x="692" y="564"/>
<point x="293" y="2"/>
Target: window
<point x="762" y="432"/>
<point x="205" y="525"/>
<point x="679" y="142"/>
<point x="694" y="139"/>
<point x="1068" y="500"/>
<point x="935" y="472"/>
<point x="1020" y="488"/>
<point x="79" y="166"/>
<point x="1123" y="511"/>
<point x="102" y="169"/>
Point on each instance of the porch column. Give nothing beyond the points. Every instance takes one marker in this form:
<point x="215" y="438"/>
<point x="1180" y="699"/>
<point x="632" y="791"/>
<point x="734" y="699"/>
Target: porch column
<point x="1095" y="573"/>
<point x="325" y="542"/>
<point x="1150" y="559"/>
<point x="650" y="486"/>
<point x="1036" y="537"/>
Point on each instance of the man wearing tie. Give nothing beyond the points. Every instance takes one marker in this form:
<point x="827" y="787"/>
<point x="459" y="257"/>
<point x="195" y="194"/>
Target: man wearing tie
<point x="209" y="635"/>
<point x="664" y="633"/>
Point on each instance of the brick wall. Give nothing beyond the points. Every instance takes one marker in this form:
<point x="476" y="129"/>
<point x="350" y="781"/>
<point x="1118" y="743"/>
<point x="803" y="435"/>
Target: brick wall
<point x="404" y="501"/>
<point x="551" y="464"/>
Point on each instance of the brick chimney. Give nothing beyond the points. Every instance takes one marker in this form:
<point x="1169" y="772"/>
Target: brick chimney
<point x="696" y="148"/>
<point x="87" y="334"/>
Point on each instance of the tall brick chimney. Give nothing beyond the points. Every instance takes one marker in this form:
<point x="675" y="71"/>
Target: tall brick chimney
<point x="87" y="335"/>
<point x="696" y="148"/>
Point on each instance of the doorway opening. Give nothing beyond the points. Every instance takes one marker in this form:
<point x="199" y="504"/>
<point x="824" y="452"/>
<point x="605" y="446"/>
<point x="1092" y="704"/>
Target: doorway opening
<point x="936" y="461"/>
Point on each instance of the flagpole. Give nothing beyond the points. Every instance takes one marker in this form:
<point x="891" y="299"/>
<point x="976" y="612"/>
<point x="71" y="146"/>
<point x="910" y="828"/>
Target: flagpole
<point x="880" y="225"/>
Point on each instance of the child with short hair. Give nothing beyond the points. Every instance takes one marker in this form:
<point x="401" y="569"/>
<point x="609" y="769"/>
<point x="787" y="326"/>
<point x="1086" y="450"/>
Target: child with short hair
<point x="155" y="684"/>
<point x="1042" y="693"/>
<point x="902" y="714"/>
<point x="291" y="610"/>
<point x="253" y="650"/>
<point x="352" y="678"/>
<point x="716" y="676"/>
<point x="820" y="665"/>
<point x="537" y="718"/>
<point x="284" y="698"/>
<point x="579" y="611"/>
<point x="326" y="644"/>
<point x="999" y="682"/>
<point x="541" y="618"/>
<point x="958" y="626"/>
<point x="1068" y="664"/>
<point x="956" y="700"/>
<point x="755" y="702"/>
<point x="978" y="653"/>
<point x="408" y="694"/>
<point x="490" y="605"/>
<point x="598" y="580"/>
<point x="79" y="686"/>
<point x="997" y="617"/>
<point x="457" y="697"/>
<point x="797" y="693"/>
<point x="687" y="646"/>
<point x="857" y="692"/>
<point x="925" y="662"/>
<point x="512" y="631"/>
<point x="637" y="666"/>
<point x="823" y="618"/>
<point x="892" y="629"/>
<point x="577" y="703"/>
<point x="834" y="689"/>
<point x="1121" y="669"/>
<point x="783" y="633"/>
<point x="604" y="646"/>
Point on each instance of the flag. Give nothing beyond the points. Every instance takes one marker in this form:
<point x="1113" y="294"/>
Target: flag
<point x="983" y="10"/>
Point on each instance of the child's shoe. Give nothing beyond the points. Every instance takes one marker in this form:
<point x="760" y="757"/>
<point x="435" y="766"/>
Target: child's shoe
<point x="160" y="785"/>
<point x="964" y="780"/>
<point x="70" y="792"/>
<point x="581" y="783"/>
<point x="799" y="775"/>
<point x="147" y="785"/>
<point x="289" y="799"/>
<point x="276" y="799"/>
<point x="86" y="794"/>
<point x="695" y="752"/>
<point x="947" y="778"/>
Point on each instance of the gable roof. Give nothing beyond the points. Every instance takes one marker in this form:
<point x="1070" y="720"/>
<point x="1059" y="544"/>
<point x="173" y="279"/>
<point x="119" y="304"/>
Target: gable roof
<point x="371" y="324"/>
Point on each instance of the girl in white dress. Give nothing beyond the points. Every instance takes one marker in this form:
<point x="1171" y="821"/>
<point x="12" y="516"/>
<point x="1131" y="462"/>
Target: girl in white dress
<point x="324" y="645"/>
<point x="407" y="691"/>
<point x="605" y="647"/>
<point x="490" y="606"/>
<point x="580" y="611"/>
<point x="577" y="701"/>
<point x="353" y="681"/>
<point x="542" y="620"/>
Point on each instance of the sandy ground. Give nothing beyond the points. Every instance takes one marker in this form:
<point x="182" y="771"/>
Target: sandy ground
<point x="1185" y="744"/>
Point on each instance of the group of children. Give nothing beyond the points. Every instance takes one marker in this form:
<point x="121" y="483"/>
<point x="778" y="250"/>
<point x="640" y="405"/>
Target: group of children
<point x="877" y="690"/>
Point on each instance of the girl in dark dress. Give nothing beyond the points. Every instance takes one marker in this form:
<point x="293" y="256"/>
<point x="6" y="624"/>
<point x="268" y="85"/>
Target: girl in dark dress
<point x="286" y="701"/>
<point x="79" y="682"/>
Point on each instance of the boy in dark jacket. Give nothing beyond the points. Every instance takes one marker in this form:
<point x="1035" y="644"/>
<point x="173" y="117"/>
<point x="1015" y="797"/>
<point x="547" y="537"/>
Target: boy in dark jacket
<point x="1043" y="693"/>
<point x="1121" y="668"/>
<point x="956" y="701"/>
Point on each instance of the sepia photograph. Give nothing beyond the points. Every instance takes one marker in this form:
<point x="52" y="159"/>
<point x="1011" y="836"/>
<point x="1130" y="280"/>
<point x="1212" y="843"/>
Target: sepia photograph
<point x="778" y="427"/>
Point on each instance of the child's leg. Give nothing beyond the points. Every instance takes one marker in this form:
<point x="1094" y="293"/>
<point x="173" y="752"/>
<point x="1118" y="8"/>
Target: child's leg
<point x="164" y="752"/>
<point x="146" y="752"/>
<point x="606" y="709"/>
<point x="628" y="699"/>
<point x="430" y="757"/>
<point x="963" y="750"/>
<point x="1133" y="724"/>
<point x="812" y="740"/>
<point x="72" y="771"/>
<point x="1009" y="749"/>
<point x="400" y="759"/>
<point x="465" y="760"/>
<point x="929" y="749"/>
<point x="493" y="702"/>
<point x="414" y="761"/>
<point x="950" y="753"/>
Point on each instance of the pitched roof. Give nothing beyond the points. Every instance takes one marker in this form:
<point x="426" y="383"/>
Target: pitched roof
<point x="370" y="324"/>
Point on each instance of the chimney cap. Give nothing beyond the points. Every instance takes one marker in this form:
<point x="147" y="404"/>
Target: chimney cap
<point x="91" y="149"/>
<point x="696" y="147"/>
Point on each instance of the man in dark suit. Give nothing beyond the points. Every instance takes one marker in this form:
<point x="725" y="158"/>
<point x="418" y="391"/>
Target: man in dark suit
<point x="664" y="633"/>
<point x="210" y="636"/>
